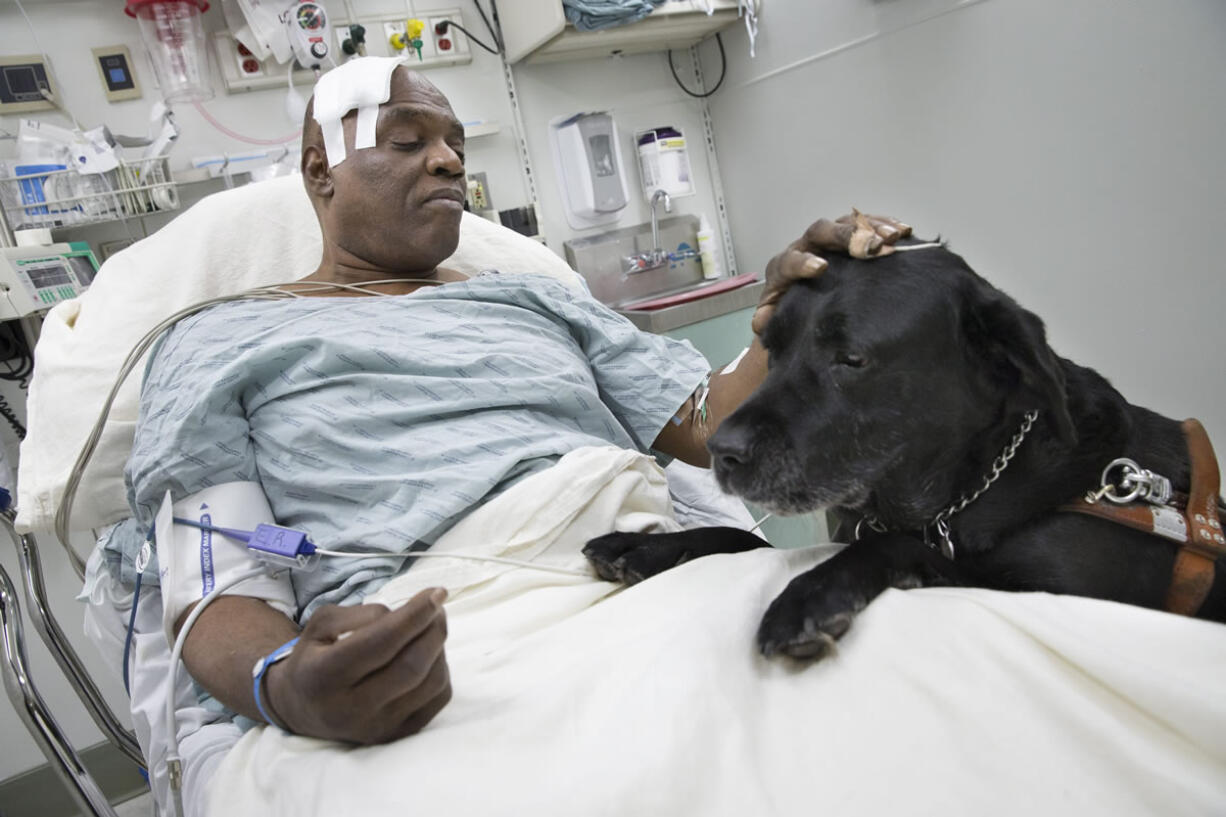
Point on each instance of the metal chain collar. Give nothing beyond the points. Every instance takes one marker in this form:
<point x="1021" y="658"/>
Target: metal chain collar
<point x="940" y="522"/>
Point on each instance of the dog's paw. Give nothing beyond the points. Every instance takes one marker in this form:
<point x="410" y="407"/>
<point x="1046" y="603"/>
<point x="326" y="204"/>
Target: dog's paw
<point x="631" y="557"/>
<point x="807" y="619"/>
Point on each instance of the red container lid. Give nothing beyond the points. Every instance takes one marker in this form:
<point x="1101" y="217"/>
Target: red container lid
<point x="133" y="7"/>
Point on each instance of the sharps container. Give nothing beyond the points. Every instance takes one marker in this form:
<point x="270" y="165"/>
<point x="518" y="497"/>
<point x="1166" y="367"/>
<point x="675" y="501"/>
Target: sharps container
<point x="173" y="33"/>
<point x="664" y="162"/>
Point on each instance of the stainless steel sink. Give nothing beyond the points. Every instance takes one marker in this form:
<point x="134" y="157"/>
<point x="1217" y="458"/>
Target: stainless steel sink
<point x="601" y="260"/>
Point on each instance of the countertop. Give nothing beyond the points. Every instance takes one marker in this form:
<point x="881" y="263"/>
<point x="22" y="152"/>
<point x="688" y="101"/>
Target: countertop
<point x="713" y="306"/>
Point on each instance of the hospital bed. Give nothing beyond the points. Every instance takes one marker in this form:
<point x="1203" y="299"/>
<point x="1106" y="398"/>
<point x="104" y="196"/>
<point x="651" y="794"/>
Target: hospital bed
<point x="575" y="697"/>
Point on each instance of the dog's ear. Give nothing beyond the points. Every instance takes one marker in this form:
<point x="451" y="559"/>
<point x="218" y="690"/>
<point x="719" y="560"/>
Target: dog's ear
<point x="1013" y="342"/>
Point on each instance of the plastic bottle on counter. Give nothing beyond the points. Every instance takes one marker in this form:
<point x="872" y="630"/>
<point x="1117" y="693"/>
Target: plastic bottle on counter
<point x="708" y="250"/>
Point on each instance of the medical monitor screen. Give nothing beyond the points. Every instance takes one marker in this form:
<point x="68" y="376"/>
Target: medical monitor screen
<point x="46" y="276"/>
<point x="21" y="80"/>
<point x="83" y="268"/>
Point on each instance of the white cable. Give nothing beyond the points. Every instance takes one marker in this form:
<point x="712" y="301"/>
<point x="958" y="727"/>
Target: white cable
<point x="759" y="523"/>
<point x="465" y="556"/>
<point x="175" y="771"/>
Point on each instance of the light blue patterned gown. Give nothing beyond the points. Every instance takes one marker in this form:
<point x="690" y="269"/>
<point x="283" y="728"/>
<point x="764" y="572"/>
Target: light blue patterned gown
<point x="377" y="423"/>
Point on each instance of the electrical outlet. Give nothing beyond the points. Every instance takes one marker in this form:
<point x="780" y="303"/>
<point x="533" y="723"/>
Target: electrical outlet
<point x="451" y="45"/>
<point x="241" y="71"/>
<point x="478" y="192"/>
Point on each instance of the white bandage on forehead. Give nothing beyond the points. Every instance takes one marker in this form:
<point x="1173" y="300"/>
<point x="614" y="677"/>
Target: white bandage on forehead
<point x="192" y="562"/>
<point x="363" y="85"/>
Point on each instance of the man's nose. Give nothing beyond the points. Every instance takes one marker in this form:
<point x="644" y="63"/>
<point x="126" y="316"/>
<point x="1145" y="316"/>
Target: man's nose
<point x="443" y="159"/>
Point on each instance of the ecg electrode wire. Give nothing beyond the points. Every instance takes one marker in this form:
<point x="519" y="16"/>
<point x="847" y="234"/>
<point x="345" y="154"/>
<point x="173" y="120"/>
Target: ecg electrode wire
<point x="63" y="513"/>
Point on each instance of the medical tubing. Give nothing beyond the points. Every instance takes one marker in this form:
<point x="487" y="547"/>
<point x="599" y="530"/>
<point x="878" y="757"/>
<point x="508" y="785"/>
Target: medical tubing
<point x="172" y="739"/>
<point x="464" y="556"/>
<point x="245" y="536"/>
<point x="127" y="641"/>
<point x="271" y="292"/>
<point x="723" y="72"/>
<point x="208" y="117"/>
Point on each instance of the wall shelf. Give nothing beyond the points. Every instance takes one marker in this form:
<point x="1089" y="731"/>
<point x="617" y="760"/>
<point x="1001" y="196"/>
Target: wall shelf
<point x="536" y="31"/>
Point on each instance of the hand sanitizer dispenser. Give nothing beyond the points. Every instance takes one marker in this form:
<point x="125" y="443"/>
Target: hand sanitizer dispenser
<point x="587" y="154"/>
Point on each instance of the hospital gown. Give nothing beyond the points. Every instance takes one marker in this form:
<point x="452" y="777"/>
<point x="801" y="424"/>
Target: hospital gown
<point x="376" y="423"/>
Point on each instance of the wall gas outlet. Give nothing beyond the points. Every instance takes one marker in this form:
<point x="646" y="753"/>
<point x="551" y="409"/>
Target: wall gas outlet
<point x="394" y="39"/>
<point x="243" y="72"/>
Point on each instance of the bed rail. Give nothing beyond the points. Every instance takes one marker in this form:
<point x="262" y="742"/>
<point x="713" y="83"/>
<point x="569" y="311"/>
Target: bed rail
<point x="57" y="643"/>
<point x="33" y="711"/>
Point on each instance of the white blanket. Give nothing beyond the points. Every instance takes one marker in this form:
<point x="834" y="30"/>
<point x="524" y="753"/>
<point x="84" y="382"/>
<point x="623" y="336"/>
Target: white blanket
<point x="654" y="701"/>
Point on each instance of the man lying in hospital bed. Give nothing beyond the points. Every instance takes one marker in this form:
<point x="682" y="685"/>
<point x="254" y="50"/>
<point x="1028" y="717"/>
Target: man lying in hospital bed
<point x="651" y="702"/>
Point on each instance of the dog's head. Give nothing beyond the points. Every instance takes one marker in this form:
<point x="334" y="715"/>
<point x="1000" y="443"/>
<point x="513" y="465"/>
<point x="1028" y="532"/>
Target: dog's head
<point x="888" y="380"/>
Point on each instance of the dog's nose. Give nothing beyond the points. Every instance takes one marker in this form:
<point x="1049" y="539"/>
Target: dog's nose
<point x="729" y="447"/>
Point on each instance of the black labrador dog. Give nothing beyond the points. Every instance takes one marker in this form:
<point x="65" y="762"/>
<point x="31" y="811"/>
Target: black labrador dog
<point x="897" y="388"/>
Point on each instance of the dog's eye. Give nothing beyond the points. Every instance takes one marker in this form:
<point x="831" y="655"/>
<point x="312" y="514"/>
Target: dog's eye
<point x="851" y="359"/>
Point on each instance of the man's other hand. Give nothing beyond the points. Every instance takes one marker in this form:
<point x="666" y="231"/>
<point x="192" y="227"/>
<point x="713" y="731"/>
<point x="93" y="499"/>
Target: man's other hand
<point x="857" y="234"/>
<point x="365" y="674"/>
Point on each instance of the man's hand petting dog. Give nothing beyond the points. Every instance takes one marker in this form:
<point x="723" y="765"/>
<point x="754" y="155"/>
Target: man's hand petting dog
<point x="857" y="234"/>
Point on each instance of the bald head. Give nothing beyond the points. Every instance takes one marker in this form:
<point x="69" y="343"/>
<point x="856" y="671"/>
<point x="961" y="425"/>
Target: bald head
<point x="402" y="78"/>
<point x="394" y="204"/>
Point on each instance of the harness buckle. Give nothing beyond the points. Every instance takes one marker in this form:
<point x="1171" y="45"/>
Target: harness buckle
<point x="1134" y="483"/>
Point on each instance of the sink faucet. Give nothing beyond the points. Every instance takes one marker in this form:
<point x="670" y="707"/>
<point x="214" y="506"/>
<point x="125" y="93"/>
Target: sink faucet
<point x="657" y="256"/>
<point x="655" y="219"/>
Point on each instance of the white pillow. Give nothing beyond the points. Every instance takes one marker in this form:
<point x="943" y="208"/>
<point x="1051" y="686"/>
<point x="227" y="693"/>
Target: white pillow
<point x="258" y="234"/>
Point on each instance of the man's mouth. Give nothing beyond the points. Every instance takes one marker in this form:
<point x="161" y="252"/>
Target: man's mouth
<point x="447" y="197"/>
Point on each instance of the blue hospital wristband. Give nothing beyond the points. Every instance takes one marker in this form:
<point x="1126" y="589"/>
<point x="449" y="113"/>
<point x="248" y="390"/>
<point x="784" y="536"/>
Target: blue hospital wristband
<point x="257" y="675"/>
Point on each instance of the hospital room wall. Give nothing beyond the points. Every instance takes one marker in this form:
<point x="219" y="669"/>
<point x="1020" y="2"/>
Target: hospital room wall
<point x="1070" y="150"/>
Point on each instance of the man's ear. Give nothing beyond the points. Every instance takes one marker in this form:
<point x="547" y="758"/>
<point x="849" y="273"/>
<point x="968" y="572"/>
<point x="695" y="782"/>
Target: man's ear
<point x="1013" y="344"/>
<point x="316" y="174"/>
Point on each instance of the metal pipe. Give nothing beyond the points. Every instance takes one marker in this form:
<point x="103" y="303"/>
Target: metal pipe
<point x="33" y="712"/>
<point x="60" y="648"/>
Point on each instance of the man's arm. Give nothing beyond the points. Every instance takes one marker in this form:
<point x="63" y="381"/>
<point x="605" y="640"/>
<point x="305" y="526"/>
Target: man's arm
<point x="362" y="674"/>
<point x="861" y="236"/>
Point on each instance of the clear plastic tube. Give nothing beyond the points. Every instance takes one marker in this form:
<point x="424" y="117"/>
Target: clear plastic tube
<point x="208" y="117"/>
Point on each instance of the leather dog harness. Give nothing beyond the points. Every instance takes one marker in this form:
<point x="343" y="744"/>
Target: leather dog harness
<point x="1194" y="521"/>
